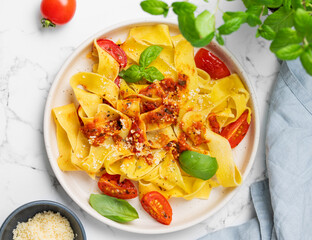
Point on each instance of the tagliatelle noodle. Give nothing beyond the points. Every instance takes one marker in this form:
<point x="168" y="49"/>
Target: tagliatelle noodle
<point x="138" y="129"/>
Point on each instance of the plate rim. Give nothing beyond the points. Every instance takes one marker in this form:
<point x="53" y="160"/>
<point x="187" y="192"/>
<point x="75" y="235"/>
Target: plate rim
<point x="47" y="120"/>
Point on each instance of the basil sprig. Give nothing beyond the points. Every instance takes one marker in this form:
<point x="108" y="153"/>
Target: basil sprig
<point x="287" y="23"/>
<point x="118" y="210"/>
<point x="198" y="165"/>
<point x="136" y="73"/>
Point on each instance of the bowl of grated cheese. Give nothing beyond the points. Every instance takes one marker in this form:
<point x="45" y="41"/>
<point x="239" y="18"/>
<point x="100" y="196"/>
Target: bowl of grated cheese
<point x="42" y="220"/>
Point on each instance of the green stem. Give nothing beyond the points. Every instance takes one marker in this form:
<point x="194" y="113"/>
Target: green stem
<point x="305" y="42"/>
<point x="47" y="23"/>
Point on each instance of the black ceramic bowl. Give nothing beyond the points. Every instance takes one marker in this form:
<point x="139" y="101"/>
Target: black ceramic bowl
<point x="29" y="210"/>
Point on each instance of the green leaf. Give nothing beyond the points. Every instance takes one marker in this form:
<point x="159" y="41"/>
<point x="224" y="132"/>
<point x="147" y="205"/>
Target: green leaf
<point x="289" y="52"/>
<point x="275" y="4"/>
<point x="198" y="165"/>
<point x="202" y="42"/>
<point x="266" y="32"/>
<point x="280" y="19"/>
<point x="283" y="38"/>
<point x="230" y="15"/>
<point x="155" y="7"/>
<point x="257" y="10"/>
<point x="306" y="60"/>
<point x="149" y="55"/>
<point x="219" y="39"/>
<point x="187" y="27"/>
<point x="231" y="25"/>
<point x="296" y="4"/>
<point x="152" y="74"/>
<point x="181" y="8"/>
<point x="253" y="20"/>
<point x="287" y="4"/>
<point x="205" y="23"/>
<point x="303" y="21"/>
<point x="133" y="74"/>
<point x="248" y="3"/>
<point x="115" y="209"/>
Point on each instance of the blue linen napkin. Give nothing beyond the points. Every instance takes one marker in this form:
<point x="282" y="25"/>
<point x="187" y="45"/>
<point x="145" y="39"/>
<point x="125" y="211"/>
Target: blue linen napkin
<point x="283" y="202"/>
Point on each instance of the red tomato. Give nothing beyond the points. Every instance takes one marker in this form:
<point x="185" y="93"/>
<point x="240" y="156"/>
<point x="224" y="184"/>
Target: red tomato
<point x="114" y="50"/>
<point x="236" y="131"/>
<point x="110" y="185"/>
<point x="210" y="63"/>
<point x="157" y="206"/>
<point x="57" y="11"/>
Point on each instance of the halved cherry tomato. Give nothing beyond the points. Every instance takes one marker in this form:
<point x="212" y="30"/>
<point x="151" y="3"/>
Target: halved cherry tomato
<point x="236" y="131"/>
<point x="114" y="50"/>
<point x="57" y="12"/>
<point x="157" y="206"/>
<point x="110" y="185"/>
<point x="210" y="63"/>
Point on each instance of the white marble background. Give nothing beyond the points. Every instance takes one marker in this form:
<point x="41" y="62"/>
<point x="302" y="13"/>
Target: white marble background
<point x="30" y="57"/>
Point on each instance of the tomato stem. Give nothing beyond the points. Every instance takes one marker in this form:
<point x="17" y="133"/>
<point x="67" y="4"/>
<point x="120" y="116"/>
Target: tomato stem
<point x="47" y="23"/>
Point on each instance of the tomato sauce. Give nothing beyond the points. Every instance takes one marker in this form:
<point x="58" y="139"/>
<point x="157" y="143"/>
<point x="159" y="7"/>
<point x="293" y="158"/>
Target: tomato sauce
<point x="97" y="131"/>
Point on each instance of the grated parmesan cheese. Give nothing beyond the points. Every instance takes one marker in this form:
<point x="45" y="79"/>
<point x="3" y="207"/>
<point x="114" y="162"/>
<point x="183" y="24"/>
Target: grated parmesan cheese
<point x="44" y="226"/>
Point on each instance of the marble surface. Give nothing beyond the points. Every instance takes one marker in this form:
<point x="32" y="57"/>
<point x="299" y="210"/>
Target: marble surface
<point x="30" y="57"/>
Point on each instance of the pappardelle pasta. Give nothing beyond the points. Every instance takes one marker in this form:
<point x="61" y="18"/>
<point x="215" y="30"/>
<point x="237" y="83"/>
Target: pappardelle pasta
<point x="139" y="129"/>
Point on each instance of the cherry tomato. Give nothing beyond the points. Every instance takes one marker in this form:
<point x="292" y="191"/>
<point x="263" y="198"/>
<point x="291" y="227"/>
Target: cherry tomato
<point x="157" y="206"/>
<point x="57" y="12"/>
<point x="114" y="50"/>
<point x="236" y="131"/>
<point x="110" y="185"/>
<point x="210" y="63"/>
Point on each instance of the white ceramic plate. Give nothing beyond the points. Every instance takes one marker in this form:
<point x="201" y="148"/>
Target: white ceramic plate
<point x="79" y="185"/>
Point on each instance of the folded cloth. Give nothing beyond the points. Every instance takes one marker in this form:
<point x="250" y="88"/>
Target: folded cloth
<point x="283" y="202"/>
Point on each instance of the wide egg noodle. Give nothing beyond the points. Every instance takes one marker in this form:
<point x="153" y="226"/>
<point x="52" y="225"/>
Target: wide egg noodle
<point x="152" y="34"/>
<point x="107" y="65"/>
<point x="97" y="84"/>
<point x="67" y="125"/>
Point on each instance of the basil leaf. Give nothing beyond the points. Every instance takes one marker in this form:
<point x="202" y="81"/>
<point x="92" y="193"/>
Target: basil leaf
<point x="187" y="27"/>
<point x="289" y="52"/>
<point x="283" y="38"/>
<point x="253" y="20"/>
<point x="275" y="4"/>
<point x="152" y="73"/>
<point x="287" y="4"/>
<point x="248" y="3"/>
<point x="198" y="165"/>
<point x="266" y="32"/>
<point x="230" y="15"/>
<point x="303" y="21"/>
<point x="205" y="23"/>
<point x="155" y="7"/>
<point x="203" y="41"/>
<point x="257" y="10"/>
<point x="118" y="210"/>
<point x="132" y="74"/>
<point x="306" y="60"/>
<point x="296" y="4"/>
<point x="219" y="39"/>
<point x="231" y="25"/>
<point x="181" y="8"/>
<point x="280" y="19"/>
<point x="149" y="55"/>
